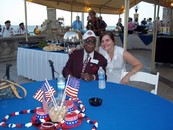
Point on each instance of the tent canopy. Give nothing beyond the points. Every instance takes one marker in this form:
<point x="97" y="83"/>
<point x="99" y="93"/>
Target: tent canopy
<point x="100" y="6"/>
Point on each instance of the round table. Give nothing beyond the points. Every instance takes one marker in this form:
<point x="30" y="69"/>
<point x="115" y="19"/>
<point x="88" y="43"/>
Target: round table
<point x="123" y="107"/>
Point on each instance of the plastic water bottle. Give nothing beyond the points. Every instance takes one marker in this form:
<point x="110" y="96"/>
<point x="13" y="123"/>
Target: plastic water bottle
<point x="101" y="77"/>
<point x="60" y="85"/>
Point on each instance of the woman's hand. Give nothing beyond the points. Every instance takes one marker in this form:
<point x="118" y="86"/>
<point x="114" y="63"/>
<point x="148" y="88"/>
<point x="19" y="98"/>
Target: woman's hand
<point x="125" y="80"/>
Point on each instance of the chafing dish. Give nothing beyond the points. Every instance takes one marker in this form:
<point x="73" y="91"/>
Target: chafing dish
<point x="72" y="39"/>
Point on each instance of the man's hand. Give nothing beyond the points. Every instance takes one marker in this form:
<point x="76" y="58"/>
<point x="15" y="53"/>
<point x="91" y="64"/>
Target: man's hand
<point x="87" y="77"/>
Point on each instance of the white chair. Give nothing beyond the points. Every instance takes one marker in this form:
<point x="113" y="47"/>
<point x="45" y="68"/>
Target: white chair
<point x="145" y="78"/>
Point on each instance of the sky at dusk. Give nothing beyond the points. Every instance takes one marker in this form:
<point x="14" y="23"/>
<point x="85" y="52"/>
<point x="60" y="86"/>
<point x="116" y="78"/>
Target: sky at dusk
<point x="37" y="14"/>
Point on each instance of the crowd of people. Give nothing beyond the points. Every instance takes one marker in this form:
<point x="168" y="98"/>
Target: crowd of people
<point x="97" y="24"/>
<point x="111" y="57"/>
<point x="8" y="31"/>
<point x="145" y="26"/>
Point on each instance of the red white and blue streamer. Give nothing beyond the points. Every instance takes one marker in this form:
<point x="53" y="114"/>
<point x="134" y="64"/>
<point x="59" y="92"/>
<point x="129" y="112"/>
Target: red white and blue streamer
<point x="80" y="112"/>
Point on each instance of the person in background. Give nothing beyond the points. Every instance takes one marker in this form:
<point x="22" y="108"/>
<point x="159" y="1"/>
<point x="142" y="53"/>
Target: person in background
<point x="21" y="30"/>
<point x="131" y="26"/>
<point x="144" y="22"/>
<point x="37" y="31"/>
<point x="158" y="24"/>
<point x="77" y="24"/>
<point x="116" y="59"/>
<point x="136" y="23"/>
<point x="149" y="25"/>
<point x="7" y="31"/>
<point x="103" y="24"/>
<point x="88" y="18"/>
<point x="84" y="63"/>
<point x="120" y="26"/>
<point x="94" y="23"/>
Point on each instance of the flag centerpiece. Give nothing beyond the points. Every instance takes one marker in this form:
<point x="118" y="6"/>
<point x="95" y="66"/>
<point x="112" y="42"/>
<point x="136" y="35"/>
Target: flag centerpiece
<point x="46" y="94"/>
<point x="72" y="87"/>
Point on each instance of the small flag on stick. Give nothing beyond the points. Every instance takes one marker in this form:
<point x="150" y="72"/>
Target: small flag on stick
<point x="49" y="92"/>
<point x="72" y="87"/>
<point x="45" y="104"/>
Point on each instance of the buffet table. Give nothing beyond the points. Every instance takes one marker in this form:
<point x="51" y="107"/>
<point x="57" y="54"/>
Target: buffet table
<point x="123" y="107"/>
<point x="32" y="63"/>
<point x="136" y="41"/>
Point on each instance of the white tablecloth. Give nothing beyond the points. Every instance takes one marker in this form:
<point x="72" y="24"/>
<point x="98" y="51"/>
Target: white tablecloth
<point x="134" y="42"/>
<point x="33" y="64"/>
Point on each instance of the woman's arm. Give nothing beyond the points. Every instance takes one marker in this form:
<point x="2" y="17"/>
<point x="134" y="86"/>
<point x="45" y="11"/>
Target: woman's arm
<point x="134" y="62"/>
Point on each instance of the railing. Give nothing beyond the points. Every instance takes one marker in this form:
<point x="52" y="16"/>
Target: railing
<point x="8" y="46"/>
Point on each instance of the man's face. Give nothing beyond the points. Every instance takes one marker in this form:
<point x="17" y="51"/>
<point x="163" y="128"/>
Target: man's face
<point x="91" y="15"/>
<point x="8" y="25"/>
<point x="89" y="44"/>
<point x="22" y="26"/>
<point x="77" y="18"/>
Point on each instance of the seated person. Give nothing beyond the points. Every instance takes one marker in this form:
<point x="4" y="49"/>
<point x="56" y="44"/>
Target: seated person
<point x="77" y="65"/>
<point x="37" y="31"/>
<point x="21" y="30"/>
<point x="7" y="31"/>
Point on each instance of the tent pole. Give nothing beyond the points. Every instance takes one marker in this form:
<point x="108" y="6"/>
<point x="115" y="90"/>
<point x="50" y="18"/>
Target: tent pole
<point x="126" y="15"/>
<point x="26" y="24"/>
<point x="82" y="20"/>
<point x="154" y="38"/>
<point x="71" y="15"/>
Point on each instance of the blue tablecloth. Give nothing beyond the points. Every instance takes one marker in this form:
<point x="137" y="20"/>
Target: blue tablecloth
<point x="146" y="39"/>
<point x="123" y="108"/>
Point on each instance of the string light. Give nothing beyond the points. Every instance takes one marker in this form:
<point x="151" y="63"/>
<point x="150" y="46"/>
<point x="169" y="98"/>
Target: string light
<point x="88" y="8"/>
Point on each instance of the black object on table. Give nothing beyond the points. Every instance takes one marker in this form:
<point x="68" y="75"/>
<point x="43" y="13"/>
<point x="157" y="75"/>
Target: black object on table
<point x="95" y="101"/>
<point x="164" y="49"/>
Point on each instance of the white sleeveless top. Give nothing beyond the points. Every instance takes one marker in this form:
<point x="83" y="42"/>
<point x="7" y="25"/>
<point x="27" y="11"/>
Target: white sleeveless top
<point x="115" y="67"/>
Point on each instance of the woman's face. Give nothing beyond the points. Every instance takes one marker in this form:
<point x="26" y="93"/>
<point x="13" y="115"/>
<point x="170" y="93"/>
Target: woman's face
<point x="107" y="42"/>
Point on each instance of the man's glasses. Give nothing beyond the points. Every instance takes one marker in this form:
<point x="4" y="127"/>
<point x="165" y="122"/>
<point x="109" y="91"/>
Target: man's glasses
<point x="89" y="41"/>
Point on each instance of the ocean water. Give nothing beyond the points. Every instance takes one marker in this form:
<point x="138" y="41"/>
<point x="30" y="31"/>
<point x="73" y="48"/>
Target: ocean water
<point x="110" y="28"/>
<point x="31" y="28"/>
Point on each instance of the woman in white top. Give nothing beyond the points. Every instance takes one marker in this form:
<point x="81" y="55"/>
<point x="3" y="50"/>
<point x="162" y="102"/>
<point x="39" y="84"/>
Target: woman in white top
<point x="116" y="58"/>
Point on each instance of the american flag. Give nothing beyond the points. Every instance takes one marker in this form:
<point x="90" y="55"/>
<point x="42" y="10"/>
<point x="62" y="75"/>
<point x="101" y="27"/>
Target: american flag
<point x="72" y="87"/>
<point x="45" y="104"/>
<point x="43" y="90"/>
